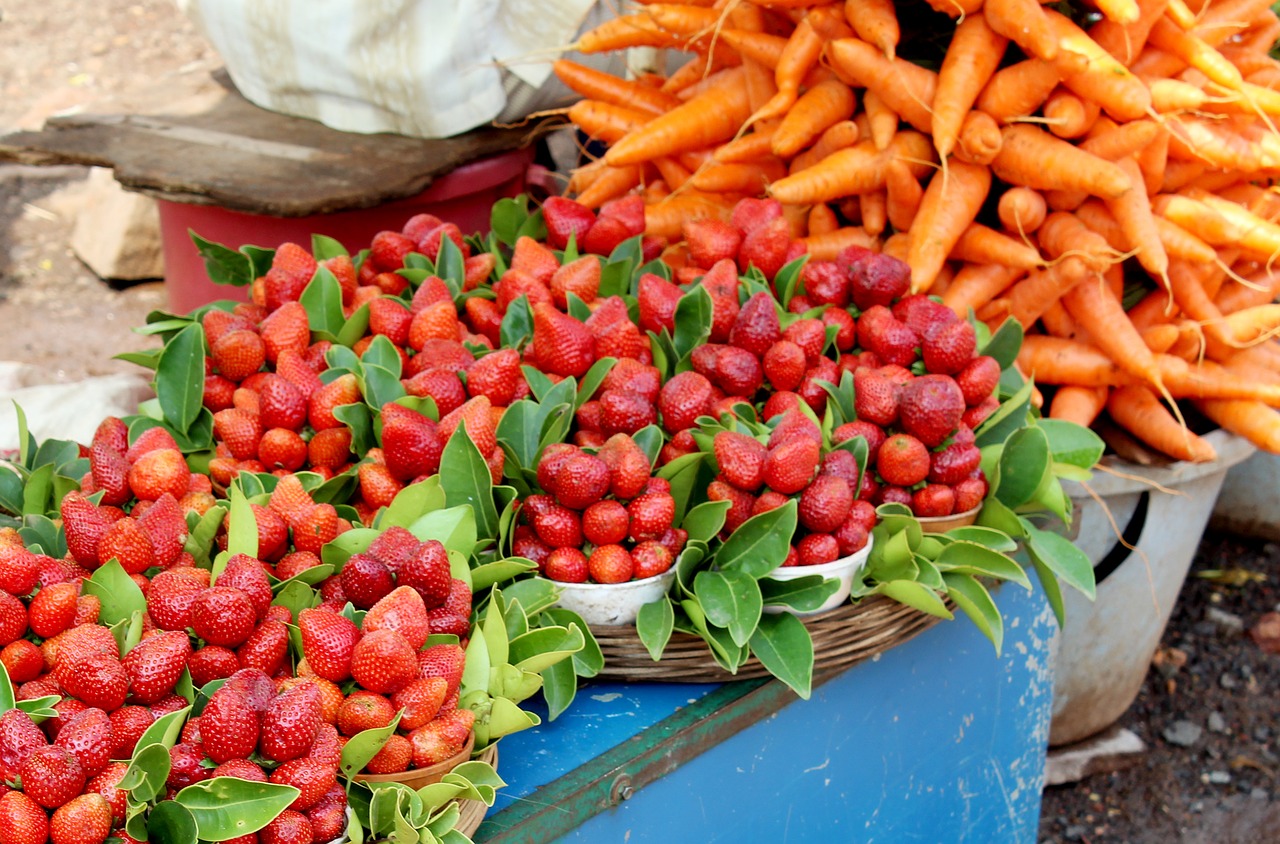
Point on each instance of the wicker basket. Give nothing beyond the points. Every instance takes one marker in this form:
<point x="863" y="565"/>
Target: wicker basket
<point x="841" y="638"/>
<point x="418" y="777"/>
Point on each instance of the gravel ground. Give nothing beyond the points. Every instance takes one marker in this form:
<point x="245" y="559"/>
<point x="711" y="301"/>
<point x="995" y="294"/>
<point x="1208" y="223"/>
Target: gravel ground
<point x="1215" y="782"/>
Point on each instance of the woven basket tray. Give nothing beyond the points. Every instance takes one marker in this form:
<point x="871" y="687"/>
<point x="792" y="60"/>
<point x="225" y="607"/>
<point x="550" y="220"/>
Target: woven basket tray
<point x="842" y="637"/>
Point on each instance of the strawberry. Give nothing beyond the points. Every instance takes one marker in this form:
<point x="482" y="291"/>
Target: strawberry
<point x="311" y="777"/>
<point x="949" y="349"/>
<point x="22" y="660"/>
<point x="394" y="757"/>
<point x="426" y="571"/>
<point x="566" y="219"/>
<point x="558" y="527"/>
<point x="420" y="701"/>
<point x="625" y="412"/>
<point x="282" y="404"/>
<point x="411" y="444"/>
<point x="812" y="391"/>
<point x="110" y="473"/>
<point x="266" y="648"/>
<point x="126" y="542"/>
<point x="651" y="514"/>
<point x="757" y="327"/>
<point x="88" y="736"/>
<point x="366" y="580"/>
<point x="933" y="500"/>
<point x="582" y="480"/>
<point x="954" y="463"/>
<point x="19" y="569"/>
<point x="84" y="527"/>
<point x="851" y="537"/>
<point x="818" y="548"/>
<point x="580" y="277"/>
<point x="610" y="564"/>
<point x="293" y="267"/>
<point x="969" y="493"/>
<point x="605" y="523"/>
<point x="22" y="820"/>
<point x="438" y="321"/>
<point x="589" y="418"/>
<point x="605" y="235"/>
<point x="327" y="747"/>
<point x="441" y="385"/>
<point x="364" y="710"/>
<point x="403" y="611"/>
<point x="52" y="610"/>
<point x="628" y="465"/>
<point x="238" y="354"/>
<point x="810" y="335"/>
<point x="388" y="249"/>
<point x="453" y="616"/>
<point x="155" y="664"/>
<point x="825" y="283"/>
<point x="296" y="562"/>
<point x="240" y="430"/>
<point x="711" y="240"/>
<point x="741" y="503"/>
<point x="903" y="460"/>
<point x="290" y="723"/>
<point x="328" y="818"/>
<point x="628" y="210"/>
<point x="553" y="457"/>
<point x="738" y="372"/>
<point x="495" y="376"/>
<point x="484" y="318"/>
<point x="683" y="399"/>
<point x="790" y="465"/>
<point x="562" y="345"/>
<point x="931" y="407"/>
<point x="750" y="213"/>
<point x="567" y="565"/>
<point x="383" y="661"/>
<point x="166" y="528"/>
<point x="328" y="640"/>
<point x="875" y="278"/>
<point x="159" y="471"/>
<point x="977" y="380"/>
<point x="99" y="681"/>
<point x="19" y="737"/>
<point x="432" y="291"/>
<point x="170" y="598"/>
<point x="768" y="500"/>
<point x="297" y="369"/>
<point x="330" y="448"/>
<point x="289" y="827"/>
<point x="784" y="365"/>
<point x="419" y="225"/>
<point x="477" y="413"/>
<point x="223" y="615"/>
<point x="875" y="398"/>
<point x="530" y="256"/>
<point x="825" y="503"/>
<point x="313" y="527"/>
<point x="343" y="390"/>
<point x="441" y="738"/>
<point x="241" y="769"/>
<point x="741" y="459"/>
<point x="657" y="299"/>
<point x="976" y="415"/>
<point x="51" y="776"/>
<point x="284" y="331"/>
<point x="651" y="559"/>
<point x="281" y="448"/>
<point x="106" y="784"/>
<point x="128" y="723"/>
<point x="13" y="618"/>
<point x="378" y="487"/>
<point x="765" y="247"/>
<point x="84" y="820"/>
<point x="444" y="661"/>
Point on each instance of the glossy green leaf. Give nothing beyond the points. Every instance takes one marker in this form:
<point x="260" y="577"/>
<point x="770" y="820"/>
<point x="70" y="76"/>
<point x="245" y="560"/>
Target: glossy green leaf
<point x="382" y="352"/>
<point x="227" y="807"/>
<point x="1023" y="466"/>
<point x="592" y="379"/>
<point x="39" y="489"/>
<point x="119" y="595"/>
<point x="1005" y="343"/>
<point x="180" y="377"/>
<point x="242" y="532"/>
<point x="588" y="661"/>
<point x="975" y="601"/>
<point x="451" y="265"/>
<point x="650" y="439"/>
<point x="1059" y="555"/>
<point x="972" y="558"/>
<point x="322" y="299"/>
<point x="11" y="490"/>
<point x="171" y="823"/>
<point x="787" y="280"/>
<point x="1052" y="590"/>
<point x="692" y="321"/>
<point x="730" y="599"/>
<point x="40" y="709"/>
<point x="487" y="574"/>
<point x="7" y="700"/>
<point x="783" y="645"/>
<point x="413" y="502"/>
<point x="1009" y="417"/>
<point x="453" y="527"/>
<point x="559" y="687"/>
<point x="705" y="521"/>
<point x="221" y="264"/>
<point x="357" y="417"/>
<point x="148" y="770"/>
<point x="804" y="594"/>
<point x="722" y="647"/>
<point x="354" y="328"/>
<point x="517" y="324"/>
<point x="465" y="478"/>
<point x="506" y="718"/>
<point x="994" y="539"/>
<point x="761" y="543"/>
<point x="545" y="646"/>
<point x="1000" y="518"/>
<point x="1072" y="444"/>
<point x="365" y="745"/>
<point x="165" y="730"/>
<point x="380" y="385"/>
<point x="654" y="625"/>
<point x="915" y="595"/>
<point x="535" y="594"/>
<point x="324" y="247"/>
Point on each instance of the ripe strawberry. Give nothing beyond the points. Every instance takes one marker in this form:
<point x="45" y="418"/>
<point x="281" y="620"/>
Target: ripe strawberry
<point x="559" y="527"/>
<point x="22" y="820"/>
<point x="411" y="445"/>
<point x="683" y="399"/>
<point x="628" y="210"/>
<point x="84" y="820"/>
<point x="969" y="493"/>
<point x="477" y="415"/>
<point x="516" y="283"/>
<point x="327" y="642"/>
<point x="562" y="345"/>
<point x="159" y="471"/>
<point x="327" y="747"/>
<point x="394" y="757"/>
<point x="328" y="818"/>
<point x="266" y="648"/>
<point x="438" y="321"/>
<point x="757" y="327"/>
<point x="484" y="318"/>
<point x="657" y="299"/>
<point x="13" y="618"/>
<point x="741" y="503"/>
<point x="625" y="412"/>
<point x="19" y="569"/>
<point x="604" y="236"/>
<point x="976" y="415"/>
<point x="426" y="571"/>
<point x="223" y="615"/>
<point x="441" y="738"/>
<point x="366" y="580"/>
<point x="582" y="481"/>
<point x="495" y="376"/>
<point x="784" y="365"/>
<point x="903" y="460"/>
<point x="88" y="736"/>
<point x="790" y="465"/>
<point x="588" y="418"/>
<point x="825" y="503"/>
<point x="364" y="710"/>
<point x="567" y="565"/>
<point x="875" y="398"/>
<point x="240" y="430"/>
<point x="128" y="723"/>
<point x="84" y="526"/>
<point x="818" y="548"/>
<point x="166" y="527"/>
<point x="19" y="737"/>
<point x="553" y="457"/>
<point x="580" y="277"/>
<point x="285" y="331"/>
<point x="292" y="267"/>
<point x="51" y="776"/>
<point x="610" y="564"/>
<point x="420" y="701"/>
<point x="388" y="249"/>
<point x="810" y="335"/>
<point x="711" y="240"/>
<point x="383" y="661"/>
<point x="445" y="662"/>
<point x="22" y="660"/>
<point x="432" y="291"/>
<point x="330" y="448"/>
<point x="741" y="459"/>
<point x="825" y="283"/>
<point x="343" y="390"/>
<point x="155" y="664"/>
<point x="314" y="527"/>
<point x="954" y="463"/>
<point x="765" y="247"/>
<point x="310" y="777"/>
<point x="875" y="278"/>
<point x="126" y="542"/>
<point x="931" y="407"/>
<point x="105" y="784"/>
<point x="170" y="598"/>
<point x="933" y="500"/>
<point x="403" y="611"/>
<point x="852" y="535"/>
<point x="110" y="473"/>
<point x="296" y="368"/>
<point x="290" y="724"/>
<point x="530" y="256"/>
<point x="605" y="523"/>
<point x="241" y="769"/>
<point x="238" y="354"/>
<point x="429" y="243"/>
<point x="651" y="514"/>
<point x="289" y="827"/>
<point x="651" y="559"/>
<point x="949" y="349"/>
<point x="566" y="218"/>
<point x="978" y="379"/>
<point x="378" y="487"/>
<point x="52" y="610"/>
<point x="282" y="404"/>
<point x="628" y="465"/>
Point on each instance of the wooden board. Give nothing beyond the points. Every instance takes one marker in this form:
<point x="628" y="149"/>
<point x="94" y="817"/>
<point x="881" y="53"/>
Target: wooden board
<point x="236" y="155"/>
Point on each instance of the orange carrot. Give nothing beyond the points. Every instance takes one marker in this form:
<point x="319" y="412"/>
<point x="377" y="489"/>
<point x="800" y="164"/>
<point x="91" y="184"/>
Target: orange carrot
<point x="1066" y="234"/>
<point x="1018" y="90"/>
<point x="956" y="8"/>
<point x="874" y="212"/>
<point x="1132" y="211"/>
<point x="1162" y="337"/>
<point x="949" y="205"/>
<point x="1069" y="116"/>
<point x="876" y="22"/>
<point x="826" y="246"/>
<point x="672" y="172"/>
<point x="610" y="184"/>
<point x="760" y="47"/>
<point x="1139" y="411"/>
<point x="667" y="218"/>
<point x="798" y="56"/>
<point x="981" y="245"/>
<point x="1252" y="420"/>
<point x="683" y="18"/>
<point x="1033" y="158"/>
<point x="1187" y="283"/>
<point x="1168" y="95"/>
<point x="976" y="285"/>
<point x="1023" y="22"/>
<point x="1115" y="141"/>
<point x="1152" y="159"/>
<point x="1120" y="11"/>
<point x="902" y="195"/>
<point x="1234" y="296"/>
<point x="1021" y="210"/>
<point x="706" y="120"/>
<point x="1165" y="35"/>
<point x="1251" y="324"/>
<point x="1055" y="360"/>
<point x="749" y="178"/>
<point x="853" y="170"/>
<point x="698" y="67"/>
<point x="749" y="147"/>
<point x="1058" y="323"/>
<point x="883" y="120"/>
<point x="1125" y="41"/>
<point x="906" y="88"/>
<point x="973" y="55"/>
<point x="595" y="84"/>
<point x="1177" y="242"/>
<point x="1080" y="405"/>
<point x="822" y="220"/>
<point x="605" y="121"/>
<point x="895" y="245"/>
<point x="624" y="32"/>
<point x="817" y="110"/>
<point x="1095" y="74"/>
<point x="1029" y="298"/>
<point x="841" y="135"/>
<point x="980" y="138"/>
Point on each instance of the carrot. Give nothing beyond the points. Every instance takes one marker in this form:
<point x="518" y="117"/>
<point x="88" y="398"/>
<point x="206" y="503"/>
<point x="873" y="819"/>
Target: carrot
<point x="1196" y="217"/>
<point x="973" y="55"/>
<point x="1058" y="323"/>
<point x="1209" y="380"/>
<point x="683" y="18"/>
<point x="1132" y="211"/>
<point x="1165" y="35"/>
<point x="799" y="55"/>
<point x="981" y="245"/>
<point x="1139" y="411"/>
<point x="760" y="89"/>
<point x="949" y="205"/>
<point x="759" y="47"/>
<point x="853" y="170"/>
<point x="1018" y="90"/>
<point x="1176" y="241"/>
<point x="1066" y="234"/>
<point x="606" y="121"/>
<point x="1094" y="74"/>
<point x="840" y="135"/>
<point x="1181" y="14"/>
<point x="1023" y="22"/>
<point x="1219" y="146"/>
<point x="980" y="138"/>
<point x="594" y="84"/>
<point x="1032" y="296"/>
<point x="624" y="32"/>
<point x="706" y="120"/>
<point x="876" y="22"/>
<point x="1120" y="11"/>
<point x="1033" y="158"/>
<point x="1154" y="308"/>
<point x="711" y="82"/>
<point x="826" y="246"/>
<point x="1160" y="338"/>
<point x="698" y="67"/>
<point x="1259" y="236"/>
<point x="1178" y="174"/>
<point x="874" y="212"/>
<point x="1252" y="324"/>
<point x="1116" y="141"/>
<point x="902" y="195"/>
<point x="1080" y="405"/>
<point x="906" y="88"/>
<point x="1175" y="95"/>
<point x="1055" y="360"/>
<point x="667" y="218"/>
<point x="822" y="220"/>
<point x="1234" y="296"/>
<point x="1152" y="160"/>
<point x="1186" y="283"/>
<point x="1021" y="210"/>
<point x="976" y="285"/>
<point x="817" y="110"/>
<point x="672" y="172"/>
<point x="612" y="183"/>
<point x="749" y="147"/>
<point x="1100" y="313"/>
<point x="1252" y="420"/>
<point x="749" y="178"/>
<point x="896" y="245"/>
<point x="1069" y="116"/>
<point x="1125" y="41"/>
<point x="883" y="120"/>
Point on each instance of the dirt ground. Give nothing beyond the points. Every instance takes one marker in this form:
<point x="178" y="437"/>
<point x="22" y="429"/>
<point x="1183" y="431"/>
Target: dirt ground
<point x="120" y="56"/>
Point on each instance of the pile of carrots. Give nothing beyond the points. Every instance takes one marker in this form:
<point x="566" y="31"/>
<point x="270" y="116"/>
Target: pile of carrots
<point x="1047" y="168"/>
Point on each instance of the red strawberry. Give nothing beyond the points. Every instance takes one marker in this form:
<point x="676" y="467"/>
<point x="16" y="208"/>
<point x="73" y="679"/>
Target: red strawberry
<point x="625" y="412"/>
<point x="432" y="291"/>
<point x="84" y="820"/>
<point x="553" y="457"/>
<point x="366" y="580"/>
<point x="530" y="256"/>
<point x="875" y="398"/>
<point x="403" y="611"/>
<point x="628" y="465"/>
<point x="223" y="615"/>
<point x="683" y="399"/>
<point x="765" y="247"/>
<point x="977" y="380"/>
<point x="420" y="701"/>
<point x="954" y="463"/>
<point x="605" y="523"/>
<point x="441" y="738"/>
<point x="711" y="240"/>
<point x="628" y="210"/>
<point x="562" y="345"/>
<point x="294" y="368"/>
<point x="610" y="564"/>
<point x="484" y="317"/>
<point x="558" y="527"/>
<point x="328" y="640"/>
<point x="582" y="481"/>
<point x="126" y="542"/>
<point x="429" y="244"/>
<point x="22" y="820"/>
<point x="166" y="528"/>
<point x="580" y="277"/>
<point x="19" y="736"/>
<point x="825" y="503"/>
<point x="784" y="365"/>
<point x="976" y="415"/>
<point x="266" y="648"/>
<point x="19" y="569"/>
<point x="22" y="660"/>
<point x="444" y="661"/>
<point x="247" y="574"/>
<point x="434" y="322"/>
<point x="388" y="250"/>
<point x="411" y="444"/>
<point x="950" y="348"/>
<point x="238" y="354"/>
<point x="903" y="460"/>
<point x="364" y="710"/>
<point x="394" y="757"/>
<point x="282" y="404"/>
<point x="741" y="503"/>
<point x="426" y="571"/>
<point x="51" y="776"/>
<point x="311" y="777"/>
<point x="789" y="466"/>
<point x="605" y="235"/>
<point x="128" y="723"/>
<point x="84" y="526"/>
<point x="768" y="500"/>
<point x="292" y="267"/>
<point x="931" y="407"/>
<point x="495" y="376"/>
<point x="383" y="661"/>
<point x="657" y="299"/>
<point x="106" y="785"/>
<point x="290" y="724"/>
<point x="110" y="473"/>
<point x="378" y="487"/>
<point x="155" y="664"/>
<point x="875" y="278"/>
<point x="240" y="430"/>
<point x="741" y="459"/>
<point x="567" y="565"/>
<point x="289" y="827"/>
<point x="738" y="372"/>
<point x="52" y="610"/>
<point x="851" y="537"/>
<point x="314" y="527"/>
<point x="159" y="471"/>
<point x="651" y="559"/>
<point x="285" y="331"/>
<point x="750" y="213"/>
<point x="969" y="493"/>
<point x="651" y="514"/>
<point x="757" y="327"/>
<point x="933" y="500"/>
<point x="566" y="218"/>
<point x="88" y="737"/>
<point x="818" y="548"/>
<point x="343" y="390"/>
<point x="170" y="598"/>
<point x="825" y="283"/>
<point x="477" y="413"/>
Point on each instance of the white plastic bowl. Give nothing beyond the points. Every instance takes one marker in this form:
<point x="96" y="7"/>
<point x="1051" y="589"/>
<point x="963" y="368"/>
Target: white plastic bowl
<point x="613" y="604"/>
<point x="844" y="569"/>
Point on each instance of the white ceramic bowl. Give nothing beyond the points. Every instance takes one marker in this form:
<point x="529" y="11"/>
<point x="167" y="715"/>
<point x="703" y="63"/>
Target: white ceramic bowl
<point x="844" y="569"/>
<point x="613" y="604"/>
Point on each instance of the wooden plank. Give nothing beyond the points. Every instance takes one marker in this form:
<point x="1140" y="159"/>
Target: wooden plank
<point x="241" y="157"/>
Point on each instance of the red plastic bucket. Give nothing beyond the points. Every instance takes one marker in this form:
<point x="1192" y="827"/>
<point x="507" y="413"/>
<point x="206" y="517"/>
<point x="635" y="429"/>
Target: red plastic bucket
<point x="464" y="196"/>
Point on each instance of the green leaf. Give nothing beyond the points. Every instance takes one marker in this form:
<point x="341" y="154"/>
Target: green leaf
<point x="783" y="645"/>
<point x="180" y="377"/>
<point x="465" y="478"/>
<point x="35" y="498"/>
<point x="654" y="625"/>
<point x="730" y="599"/>
<point x="354" y="327"/>
<point x="650" y="439"/>
<point x="705" y="521"/>
<point x="324" y="247"/>
<point x="517" y="324"/>
<point x="171" y="823"/>
<point x="1005" y="343"/>
<point x="413" y="502"/>
<point x="994" y="539"/>
<point x="452" y="527"/>
<point x="915" y="595"/>
<point x="1009" y="417"/>
<point x="242" y="531"/>
<point x="223" y="265"/>
<point x="506" y="218"/>
<point x="535" y="594"/>
<point x="559" y="687"/>
<point x="688" y="475"/>
<point x="587" y="662"/>
<point x="973" y="598"/>
<point x="148" y="770"/>
<point x="322" y="299"/>
<point x="11" y="490"/>
<point x="486" y="575"/>
<point x="1064" y="559"/>
<point x="1072" y="444"/>
<point x="592" y="379"/>
<point x="692" y="321"/>
<point x="365" y="745"/>
<point x="7" y="700"/>
<point x="165" y="730"/>
<point x="1052" y="590"/>
<point x="1023" y="466"/>
<point x="119" y="595"/>
<point x="226" y="807"/>
<point x="382" y="352"/>
<point x="380" y="385"/>
<point x="761" y="543"/>
<point x="971" y="558"/>
<point x="787" y="280"/>
<point x="359" y="419"/>
<point x="41" y="708"/>
<point x="544" y="646"/>
<point x="804" y="594"/>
